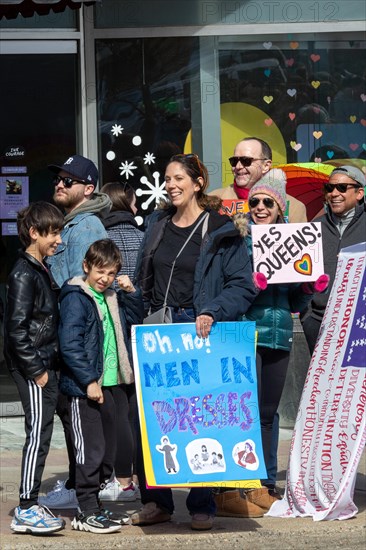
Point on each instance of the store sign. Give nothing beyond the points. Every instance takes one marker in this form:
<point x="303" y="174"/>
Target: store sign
<point x="14" y="195"/>
<point x="14" y="153"/>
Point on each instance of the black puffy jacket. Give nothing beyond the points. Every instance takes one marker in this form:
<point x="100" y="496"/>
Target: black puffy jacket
<point x="30" y="321"/>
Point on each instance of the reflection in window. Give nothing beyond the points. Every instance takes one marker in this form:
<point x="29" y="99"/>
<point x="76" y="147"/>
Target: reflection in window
<point x="307" y="99"/>
<point x="144" y="109"/>
<point x="313" y="91"/>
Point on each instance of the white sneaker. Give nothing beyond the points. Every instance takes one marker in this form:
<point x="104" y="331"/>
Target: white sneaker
<point x="35" y="520"/>
<point x="60" y="498"/>
<point x="114" y="491"/>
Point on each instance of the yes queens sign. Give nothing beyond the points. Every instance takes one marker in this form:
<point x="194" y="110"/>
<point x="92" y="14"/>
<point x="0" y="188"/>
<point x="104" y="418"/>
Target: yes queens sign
<point x="330" y="429"/>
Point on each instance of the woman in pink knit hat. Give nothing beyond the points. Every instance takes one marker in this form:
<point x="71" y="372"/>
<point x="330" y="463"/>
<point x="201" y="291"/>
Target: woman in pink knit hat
<point x="271" y="310"/>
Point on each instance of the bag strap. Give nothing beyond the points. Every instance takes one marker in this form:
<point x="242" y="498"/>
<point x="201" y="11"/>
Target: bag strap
<point x="204" y="230"/>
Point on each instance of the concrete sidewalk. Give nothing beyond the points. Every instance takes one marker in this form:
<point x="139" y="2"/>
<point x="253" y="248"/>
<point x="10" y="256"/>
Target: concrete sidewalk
<point x="261" y="534"/>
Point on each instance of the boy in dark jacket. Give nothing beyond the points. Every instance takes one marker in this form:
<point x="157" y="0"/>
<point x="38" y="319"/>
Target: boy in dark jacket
<point x="94" y="340"/>
<point x="31" y="351"/>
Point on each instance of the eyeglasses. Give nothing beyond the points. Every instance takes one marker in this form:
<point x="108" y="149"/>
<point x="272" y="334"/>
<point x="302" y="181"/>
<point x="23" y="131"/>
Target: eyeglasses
<point x="245" y="161"/>
<point x="68" y="182"/>
<point x="341" y="187"/>
<point x="267" y="201"/>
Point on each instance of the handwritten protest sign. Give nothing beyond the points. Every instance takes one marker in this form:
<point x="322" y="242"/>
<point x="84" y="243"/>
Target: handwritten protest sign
<point x="234" y="206"/>
<point x="289" y="252"/>
<point x="330" y="430"/>
<point x="198" y="404"/>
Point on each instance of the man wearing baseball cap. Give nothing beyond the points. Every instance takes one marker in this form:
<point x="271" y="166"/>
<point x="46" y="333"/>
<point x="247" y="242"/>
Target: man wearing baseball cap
<point x="75" y="181"/>
<point x="344" y="224"/>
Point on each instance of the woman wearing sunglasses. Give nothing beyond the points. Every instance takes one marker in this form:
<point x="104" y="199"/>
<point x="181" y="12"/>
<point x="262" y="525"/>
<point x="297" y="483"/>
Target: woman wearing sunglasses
<point x="271" y="310"/>
<point x="211" y="281"/>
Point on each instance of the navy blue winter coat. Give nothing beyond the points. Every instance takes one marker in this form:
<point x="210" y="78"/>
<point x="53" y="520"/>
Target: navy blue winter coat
<point x="81" y="334"/>
<point x="223" y="286"/>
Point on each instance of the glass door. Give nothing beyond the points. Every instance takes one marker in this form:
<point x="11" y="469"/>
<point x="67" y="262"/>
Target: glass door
<point x="39" y="105"/>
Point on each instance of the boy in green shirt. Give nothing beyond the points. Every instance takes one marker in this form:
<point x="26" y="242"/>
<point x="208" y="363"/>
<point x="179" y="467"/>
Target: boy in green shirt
<point x="94" y="335"/>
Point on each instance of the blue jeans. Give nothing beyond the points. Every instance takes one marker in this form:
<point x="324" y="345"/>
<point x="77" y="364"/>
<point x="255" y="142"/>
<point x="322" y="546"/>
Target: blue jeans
<point x="272" y="462"/>
<point x="272" y="367"/>
<point x="200" y="499"/>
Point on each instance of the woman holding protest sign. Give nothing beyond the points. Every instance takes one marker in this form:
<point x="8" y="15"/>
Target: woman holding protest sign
<point x="211" y="281"/>
<point x="271" y="310"/>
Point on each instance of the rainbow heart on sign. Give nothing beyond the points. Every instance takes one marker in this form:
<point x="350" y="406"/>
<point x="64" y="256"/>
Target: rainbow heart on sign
<point x="315" y="84"/>
<point x="304" y="266"/>
<point x="268" y="98"/>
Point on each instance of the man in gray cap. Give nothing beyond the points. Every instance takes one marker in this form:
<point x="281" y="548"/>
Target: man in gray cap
<point x="344" y="224"/>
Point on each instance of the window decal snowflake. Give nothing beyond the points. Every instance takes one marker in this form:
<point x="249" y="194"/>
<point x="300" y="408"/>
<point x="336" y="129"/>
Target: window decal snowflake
<point x="117" y="129"/>
<point x="127" y="168"/>
<point x="155" y="191"/>
<point x="149" y="158"/>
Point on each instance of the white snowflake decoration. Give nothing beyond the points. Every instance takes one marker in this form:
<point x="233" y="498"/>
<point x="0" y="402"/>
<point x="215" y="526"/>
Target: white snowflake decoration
<point x="155" y="191"/>
<point x="117" y="129"/>
<point x="127" y="169"/>
<point x="149" y="158"/>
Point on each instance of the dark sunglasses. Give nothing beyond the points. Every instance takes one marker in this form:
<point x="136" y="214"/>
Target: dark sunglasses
<point x="341" y="187"/>
<point x="244" y="161"/>
<point x="267" y="201"/>
<point x="183" y="156"/>
<point x="189" y="156"/>
<point x="68" y="182"/>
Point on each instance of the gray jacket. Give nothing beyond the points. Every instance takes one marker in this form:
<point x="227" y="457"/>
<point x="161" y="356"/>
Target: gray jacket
<point x="354" y="233"/>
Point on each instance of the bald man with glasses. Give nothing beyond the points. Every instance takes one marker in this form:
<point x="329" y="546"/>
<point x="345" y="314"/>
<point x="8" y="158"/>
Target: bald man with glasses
<point x="251" y="160"/>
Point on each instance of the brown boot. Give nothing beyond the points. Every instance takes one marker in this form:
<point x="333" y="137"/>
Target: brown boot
<point x="261" y="498"/>
<point x="235" y="504"/>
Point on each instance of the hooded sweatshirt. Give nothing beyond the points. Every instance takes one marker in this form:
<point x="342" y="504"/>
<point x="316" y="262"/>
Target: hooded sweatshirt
<point x="82" y="228"/>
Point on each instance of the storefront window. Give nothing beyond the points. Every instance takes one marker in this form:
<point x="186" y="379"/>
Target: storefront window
<point x="307" y="99"/>
<point x="144" y="109"/>
<point x="38" y="112"/>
